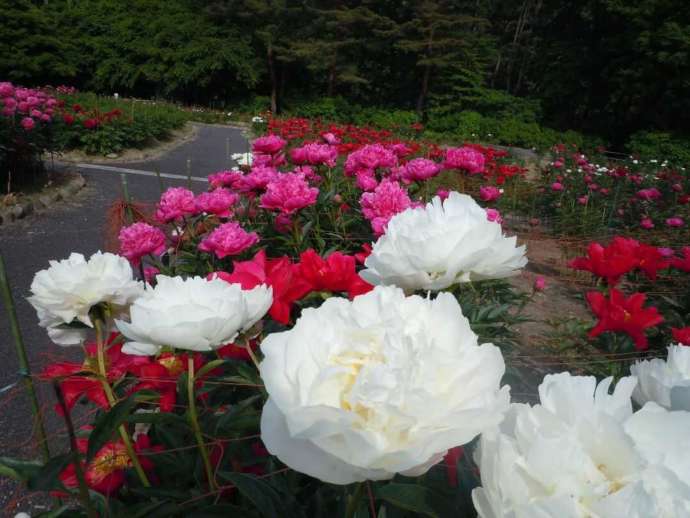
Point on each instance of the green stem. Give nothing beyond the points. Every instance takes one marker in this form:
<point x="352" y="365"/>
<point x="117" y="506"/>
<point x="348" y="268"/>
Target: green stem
<point x="355" y="498"/>
<point x="23" y="360"/>
<point x="78" y="468"/>
<point x="124" y="434"/>
<point x="194" y="421"/>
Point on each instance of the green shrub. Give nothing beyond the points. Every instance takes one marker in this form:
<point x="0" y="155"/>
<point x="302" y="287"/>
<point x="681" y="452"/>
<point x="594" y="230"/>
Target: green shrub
<point x="661" y="146"/>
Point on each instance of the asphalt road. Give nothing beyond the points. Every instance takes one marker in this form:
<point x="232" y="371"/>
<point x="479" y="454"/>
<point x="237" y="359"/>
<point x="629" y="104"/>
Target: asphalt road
<point x="76" y="226"/>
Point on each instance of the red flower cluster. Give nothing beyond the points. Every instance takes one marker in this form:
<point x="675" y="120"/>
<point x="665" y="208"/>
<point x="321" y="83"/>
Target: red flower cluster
<point x="293" y="281"/>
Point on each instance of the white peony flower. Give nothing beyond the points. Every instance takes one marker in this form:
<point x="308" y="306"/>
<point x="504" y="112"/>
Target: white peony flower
<point x="583" y="453"/>
<point x="440" y="245"/>
<point x="666" y="383"/>
<point x="243" y="158"/>
<point x="380" y="385"/>
<point x="68" y="289"/>
<point x="194" y="314"/>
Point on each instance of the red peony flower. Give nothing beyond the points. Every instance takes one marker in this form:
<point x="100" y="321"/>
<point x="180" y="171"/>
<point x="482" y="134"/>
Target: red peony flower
<point x="610" y="262"/>
<point x="281" y="274"/>
<point x="681" y="335"/>
<point x="335" y="273"/>
<point x="682" y="263"/>
<point x="105" y="473"/>
<point x="620" y="314"/>
<point x="651" y="260"/>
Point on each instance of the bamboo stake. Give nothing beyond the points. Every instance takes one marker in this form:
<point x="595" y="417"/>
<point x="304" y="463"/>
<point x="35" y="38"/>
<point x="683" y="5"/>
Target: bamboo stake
<point x="24" y="370"/>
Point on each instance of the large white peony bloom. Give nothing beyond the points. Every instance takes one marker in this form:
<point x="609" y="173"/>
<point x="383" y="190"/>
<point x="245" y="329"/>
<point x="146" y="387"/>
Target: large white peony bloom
<point x="68" y="289"/>
<point x="583" y="453"/>
<point x="442" y="244"/>
<point x="666" y="383"/>
<point x="193" y="314"/>
<point x="380" y="385"/>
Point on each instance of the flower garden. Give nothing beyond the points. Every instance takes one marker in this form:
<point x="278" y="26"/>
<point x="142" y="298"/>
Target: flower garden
<point x="332" y="329"/>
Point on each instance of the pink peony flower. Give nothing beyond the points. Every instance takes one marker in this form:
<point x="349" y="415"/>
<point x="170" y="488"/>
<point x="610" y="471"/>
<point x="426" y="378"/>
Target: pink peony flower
<point x="677" y="187"/>
<point x="175" y="203"/>
<point x="443" y="193"/>
<point x="269" y="145"/>
<point x="308" y="173"/>
<point x="228" y="239"/>
<point x="418" y="170"/>
<point x="368" y="159"/>
<point x="666" y="252"/>
<point x="489" y="193"/>
<point x="647" y="223"/>
<point x="9" y="102"/>
<point x="556" y="186"/>
<point x="675" y="221"/>
<point x="315" y="154"/>
<point x="366" y="181"/>
<point x="539" y="283"/>
<point x="257" y="179"/>
<point x="28" y="123"/>
<point x="150" y="273"/>
<point x="45" y="117"/>
<point x="649" y="194"/>
<point x="6" y="89"/>
<point x="140" y="239"/>
<point x="288" y="193"/>
<point x="558" y="164"/>
<point x="582" y="200"/>
<point x="230" y="179"/>
<point x="330" y="138"/>
<point x="400" y="149"/>
<point x="465" y="158"/>
<point x="218" y="202"/>
<point x="494" y="215"/>
<point x="23" y="107"/>
<point x="387" y="200"/>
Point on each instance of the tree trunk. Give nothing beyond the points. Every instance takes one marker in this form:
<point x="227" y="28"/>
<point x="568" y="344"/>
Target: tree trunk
<point x="421" y="100"/>
<point x="274" y="82"/>
<point x="331" y="80"/>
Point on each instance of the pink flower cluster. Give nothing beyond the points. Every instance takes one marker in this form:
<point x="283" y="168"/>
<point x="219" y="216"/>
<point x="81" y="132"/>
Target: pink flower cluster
<point x="288" y="193"/>
<point x="464" y="158"/>
<point x="257" y="179"/>
<point x="140" y="239"/>
<point x="315" y="154"/>
<point x="387" y="200"/>
<point x="32" y="105"/>
<point x="228" y="239"/>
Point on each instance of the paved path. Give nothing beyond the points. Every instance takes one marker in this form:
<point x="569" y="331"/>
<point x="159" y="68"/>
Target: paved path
<point x="27" y="246"/>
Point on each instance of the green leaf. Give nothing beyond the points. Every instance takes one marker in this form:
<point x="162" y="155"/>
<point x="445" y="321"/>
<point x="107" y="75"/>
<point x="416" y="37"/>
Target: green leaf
<point x="209" y="367"/>
<point x="410" y="497"/>
<point x="107" y="423"/>
<point x="46" y="478"/>
<point x="19" y="470"/>
<point x="264" y="497"/>
<point x="222" y="510"/>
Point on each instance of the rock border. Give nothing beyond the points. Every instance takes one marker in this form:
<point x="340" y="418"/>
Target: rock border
<point x="27" y="205"/>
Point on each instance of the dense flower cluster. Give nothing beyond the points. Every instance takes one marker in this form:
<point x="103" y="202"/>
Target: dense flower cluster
<point x="288" y="316"/>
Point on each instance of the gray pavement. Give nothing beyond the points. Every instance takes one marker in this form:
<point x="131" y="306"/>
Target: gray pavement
<point x="77" y="225"/>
